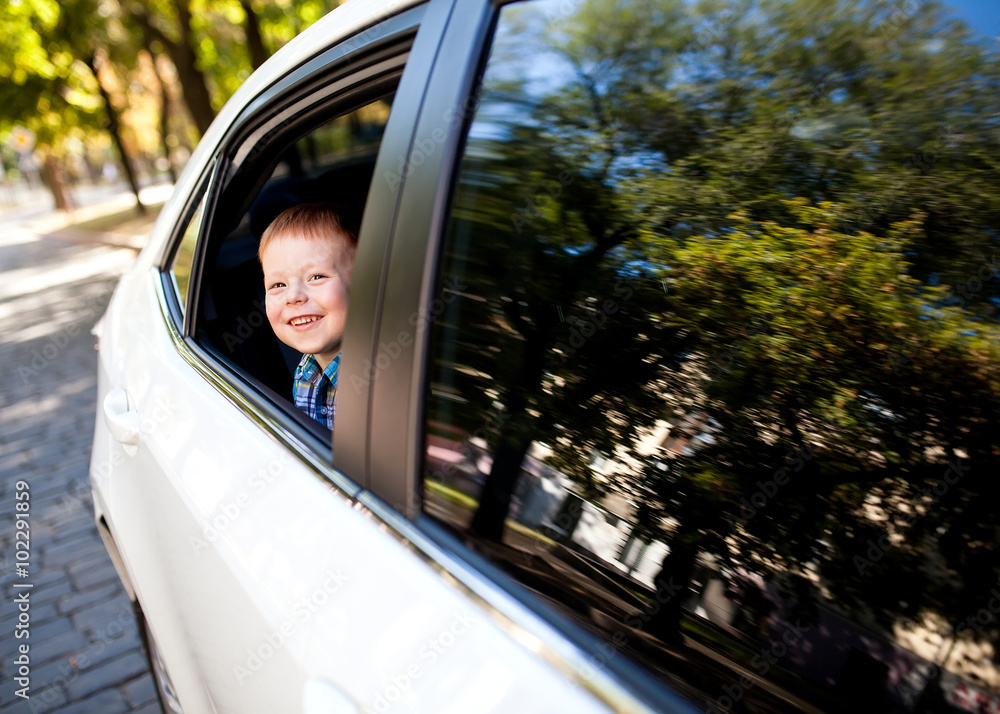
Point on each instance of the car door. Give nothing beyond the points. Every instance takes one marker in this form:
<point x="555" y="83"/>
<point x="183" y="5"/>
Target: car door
<point x="263" y="587"/>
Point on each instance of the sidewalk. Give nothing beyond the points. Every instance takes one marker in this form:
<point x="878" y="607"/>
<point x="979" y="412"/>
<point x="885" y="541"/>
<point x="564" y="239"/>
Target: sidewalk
<point x="113" y="221"/>
<point x="59" y="270"/>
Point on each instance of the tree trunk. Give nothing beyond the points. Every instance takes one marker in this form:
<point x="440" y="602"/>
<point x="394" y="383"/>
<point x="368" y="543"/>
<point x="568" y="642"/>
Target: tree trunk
<point x="193" y="81"/>
<point x="255" y="42"/>
<point x="164" y="114"/>
<point x="164" y="130"/>
<point x="494" y="504"/>
<point x="194" y="85"/>
<point x="115" y="129"/>
<point x="53" y="177"/>
<point x="673" y="584"/>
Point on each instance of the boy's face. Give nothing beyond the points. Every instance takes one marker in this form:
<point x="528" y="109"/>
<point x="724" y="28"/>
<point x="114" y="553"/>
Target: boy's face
<point x="307" y="289"/>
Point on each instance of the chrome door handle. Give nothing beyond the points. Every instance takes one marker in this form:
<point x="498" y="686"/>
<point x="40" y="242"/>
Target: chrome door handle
<point x="121" y="418"/>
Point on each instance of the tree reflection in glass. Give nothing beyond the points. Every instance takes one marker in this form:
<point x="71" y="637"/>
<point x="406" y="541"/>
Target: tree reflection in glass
<point x="728" y="333"/>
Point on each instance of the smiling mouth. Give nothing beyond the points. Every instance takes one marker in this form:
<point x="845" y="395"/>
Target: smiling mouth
<point x="298" y="321"/>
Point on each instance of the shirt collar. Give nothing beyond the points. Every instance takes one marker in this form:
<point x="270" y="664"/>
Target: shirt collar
<point x="309" y="368"/>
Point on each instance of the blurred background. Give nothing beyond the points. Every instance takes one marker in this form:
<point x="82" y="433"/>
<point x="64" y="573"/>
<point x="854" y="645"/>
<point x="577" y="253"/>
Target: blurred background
<point x="101" y="93"/>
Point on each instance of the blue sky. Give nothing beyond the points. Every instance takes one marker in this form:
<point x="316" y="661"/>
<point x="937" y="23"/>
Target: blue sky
<point x="982" y="15"/>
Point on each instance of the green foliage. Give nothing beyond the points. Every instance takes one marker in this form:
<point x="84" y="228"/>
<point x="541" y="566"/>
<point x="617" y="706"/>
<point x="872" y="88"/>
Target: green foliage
<point x="47" y="87"/>
<point x="43" y="87"/>
<point x="778" y="219"/>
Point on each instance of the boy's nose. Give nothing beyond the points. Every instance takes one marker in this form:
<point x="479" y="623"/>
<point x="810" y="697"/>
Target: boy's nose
<point x="296" y="293"/>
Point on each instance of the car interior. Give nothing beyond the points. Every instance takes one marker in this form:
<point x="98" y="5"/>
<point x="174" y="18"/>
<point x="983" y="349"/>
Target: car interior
<point x="318" y="159"/>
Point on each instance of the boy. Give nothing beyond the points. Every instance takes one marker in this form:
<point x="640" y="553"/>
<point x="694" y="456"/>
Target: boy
<point x="307" y="256"/>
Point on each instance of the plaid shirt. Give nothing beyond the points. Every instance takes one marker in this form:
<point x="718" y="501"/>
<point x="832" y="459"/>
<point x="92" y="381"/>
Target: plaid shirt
<point x="315" y="389"/>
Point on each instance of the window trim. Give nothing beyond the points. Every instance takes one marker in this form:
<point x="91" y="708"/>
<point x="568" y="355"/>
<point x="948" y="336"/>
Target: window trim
<point x="397" y="390"/>
<point x="180" y="314"/>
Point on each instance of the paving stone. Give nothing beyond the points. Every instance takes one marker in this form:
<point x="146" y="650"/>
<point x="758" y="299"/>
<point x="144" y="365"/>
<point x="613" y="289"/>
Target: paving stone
<point x="46" y="427"/>
<point x="98" y="575"/>
<point x="58" y="646"/>
<point x="140" y="691"/>
<point x="96" y="560"/>
<point x="46" y="576"/>
<point x="73" y="602"/>
<point x="64" y="553"/>
<point x="52" y="628"/>
<point x="151" y="708"/>
<point x="107" y="675"/>
<point x="42" y="613"/>
<point x="50" y="592"/>
<point x="108" y="701"/>
<point x="99" y="616"/>
<point x="105" y="649"/>
<point x="54" y="673"/>
<point x="43" y="699"/>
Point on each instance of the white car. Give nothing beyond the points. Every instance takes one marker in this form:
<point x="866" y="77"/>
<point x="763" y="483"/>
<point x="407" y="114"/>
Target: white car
<point x="270" y="578"/>
<point x="509" y="516"/>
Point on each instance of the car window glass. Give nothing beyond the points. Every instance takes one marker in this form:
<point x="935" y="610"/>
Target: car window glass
<point x="715" y="360"/>
<point x="180" y="268"/>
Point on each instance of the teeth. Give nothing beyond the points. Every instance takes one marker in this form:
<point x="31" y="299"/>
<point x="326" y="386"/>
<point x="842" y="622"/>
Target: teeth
<point x="303" y="320"/>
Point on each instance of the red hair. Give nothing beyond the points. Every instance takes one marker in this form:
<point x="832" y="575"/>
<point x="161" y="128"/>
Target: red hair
<point x="313" y="221"/>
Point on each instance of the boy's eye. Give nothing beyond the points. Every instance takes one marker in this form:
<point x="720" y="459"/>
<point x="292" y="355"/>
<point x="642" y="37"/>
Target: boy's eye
<point x="275" y="285"/>
<point x="316" y="276"/>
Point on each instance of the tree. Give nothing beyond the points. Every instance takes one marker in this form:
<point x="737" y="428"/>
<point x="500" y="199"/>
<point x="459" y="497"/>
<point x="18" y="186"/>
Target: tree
<point x="255" y="42"/>
<point x="756" y="214"/>
<point x="54" y="64"/>
<point x="169" y="23"/>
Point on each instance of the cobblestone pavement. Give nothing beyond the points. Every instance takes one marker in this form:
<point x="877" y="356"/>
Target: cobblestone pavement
<point x="85" y="650"/>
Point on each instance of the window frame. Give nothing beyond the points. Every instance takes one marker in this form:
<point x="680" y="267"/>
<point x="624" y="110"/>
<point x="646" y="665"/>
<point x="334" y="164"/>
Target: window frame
<point x="297" y="89"/>
<point x="180" y="311"/>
